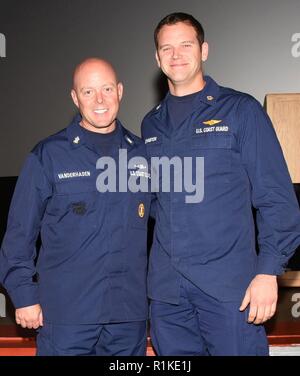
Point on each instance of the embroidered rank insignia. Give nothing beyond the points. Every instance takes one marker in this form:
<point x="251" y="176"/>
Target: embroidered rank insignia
<point x="212" y="122"/>
<point x="79" y="208"/>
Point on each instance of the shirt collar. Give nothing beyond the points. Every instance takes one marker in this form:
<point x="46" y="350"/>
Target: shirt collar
<point x="208" y="95"/>
<point x="76" y="135"/>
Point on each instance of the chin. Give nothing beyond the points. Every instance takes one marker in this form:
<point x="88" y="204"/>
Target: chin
<point x="103" y="126"/>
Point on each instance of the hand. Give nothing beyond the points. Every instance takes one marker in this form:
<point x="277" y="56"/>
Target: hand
<point x="30" y="317"/>
<point x="262" y="295"/>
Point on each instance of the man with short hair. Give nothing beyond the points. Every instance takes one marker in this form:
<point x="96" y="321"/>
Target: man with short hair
<point x="210" y="291"/>
<point x="90" y="294"/>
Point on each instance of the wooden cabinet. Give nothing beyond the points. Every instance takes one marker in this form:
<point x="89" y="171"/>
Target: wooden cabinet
<point x="284" y="111"/>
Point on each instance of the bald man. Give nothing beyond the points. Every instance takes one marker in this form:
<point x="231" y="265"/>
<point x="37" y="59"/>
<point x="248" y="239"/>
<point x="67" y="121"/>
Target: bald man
<point x="86" y="293"/>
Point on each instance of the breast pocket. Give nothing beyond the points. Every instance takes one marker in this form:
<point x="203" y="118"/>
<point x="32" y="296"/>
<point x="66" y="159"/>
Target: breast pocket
<point x="70" y="187"/>
<point x="73" y="204"/>
<point x="72" y="218"/>
<point x="154" y="149"/>
<point x="217" y="154"/>
<point x="212" y="141"/>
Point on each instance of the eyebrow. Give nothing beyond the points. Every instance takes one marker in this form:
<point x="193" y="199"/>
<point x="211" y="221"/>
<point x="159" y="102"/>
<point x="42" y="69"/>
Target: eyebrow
<point x="183" y="42"/>
<point x="188" y="41"/>
<point x="85" y="88"/>
<point x="110" y="84"/>
<point x="92" y="88"/>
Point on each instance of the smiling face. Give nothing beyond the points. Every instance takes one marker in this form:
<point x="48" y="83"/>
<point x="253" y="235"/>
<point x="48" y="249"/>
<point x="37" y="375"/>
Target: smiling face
<point x="180" y="57"/>
<point x="97" y="94"/>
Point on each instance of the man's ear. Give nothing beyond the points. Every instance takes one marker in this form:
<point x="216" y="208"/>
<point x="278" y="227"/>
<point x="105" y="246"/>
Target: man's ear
<point x="74" y="97"/>
<point x="120" y="90"/>
<point x="157" y="59"/>
<point x="204" y="51"/>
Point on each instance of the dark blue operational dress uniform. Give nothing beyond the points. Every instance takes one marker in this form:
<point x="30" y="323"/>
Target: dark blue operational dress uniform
<point x="203" y="254"/>
<point x="91" y="267"/>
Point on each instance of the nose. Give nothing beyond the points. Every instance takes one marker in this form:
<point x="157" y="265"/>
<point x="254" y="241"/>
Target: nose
<point x="176" y="53"/>
<point x="99" y="97"/>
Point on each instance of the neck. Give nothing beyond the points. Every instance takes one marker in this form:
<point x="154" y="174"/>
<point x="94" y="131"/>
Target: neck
<point x="180" y="89"/>
<point x="102" y="130"/>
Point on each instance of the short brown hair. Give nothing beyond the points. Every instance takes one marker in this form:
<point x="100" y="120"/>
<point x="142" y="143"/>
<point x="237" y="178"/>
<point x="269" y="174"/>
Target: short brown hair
<point x="174" y="18"/>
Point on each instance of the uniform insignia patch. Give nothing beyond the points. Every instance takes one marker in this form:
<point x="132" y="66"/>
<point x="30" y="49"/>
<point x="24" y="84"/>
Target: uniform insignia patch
<point x="79" y="208"/>
<point x="129" y="140"/>
<point x="141" y="210"/>
<point x="150" y="139"/>
<point x="212" y="122"/>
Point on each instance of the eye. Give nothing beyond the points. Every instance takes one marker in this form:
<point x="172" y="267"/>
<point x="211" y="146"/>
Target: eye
<point x="165" y="48"/>
<point x="87" y="92"/>
<point x="187" y="45"/>
<point x="108" y="89"/>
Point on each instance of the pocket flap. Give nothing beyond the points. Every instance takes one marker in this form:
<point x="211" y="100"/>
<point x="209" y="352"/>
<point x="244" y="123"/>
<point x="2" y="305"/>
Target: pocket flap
<point x="212" y="141"/>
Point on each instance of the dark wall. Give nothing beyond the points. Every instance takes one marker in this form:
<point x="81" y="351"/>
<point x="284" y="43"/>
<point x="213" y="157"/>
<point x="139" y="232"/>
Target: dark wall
<point x="253" y="48"/>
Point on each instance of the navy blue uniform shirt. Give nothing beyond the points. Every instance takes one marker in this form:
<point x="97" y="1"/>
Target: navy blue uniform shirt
<point x="92" y="263"/>
<point x="212" y="243"/>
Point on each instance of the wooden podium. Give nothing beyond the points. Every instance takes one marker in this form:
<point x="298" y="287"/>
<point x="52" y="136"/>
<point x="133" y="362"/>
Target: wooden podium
<point x="284" y="111"/>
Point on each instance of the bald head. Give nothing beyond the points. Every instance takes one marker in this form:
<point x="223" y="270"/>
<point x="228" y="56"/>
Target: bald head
<point x="97" y="94"/>
<point x="92" y="64"/>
